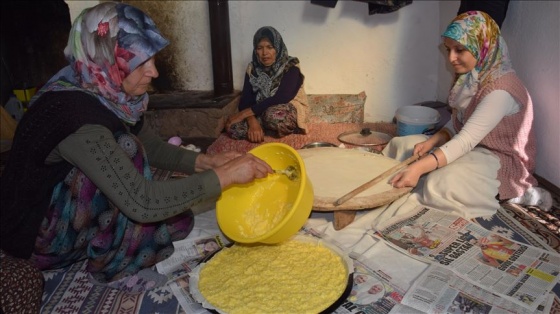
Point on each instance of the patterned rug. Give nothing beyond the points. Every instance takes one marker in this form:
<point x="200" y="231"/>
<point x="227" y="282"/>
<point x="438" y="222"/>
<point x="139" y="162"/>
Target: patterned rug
<point x="68" y="290"/>
<point x="544" y="224"/>
<point x="513" y="222"/>
<point x="550" y="219"/>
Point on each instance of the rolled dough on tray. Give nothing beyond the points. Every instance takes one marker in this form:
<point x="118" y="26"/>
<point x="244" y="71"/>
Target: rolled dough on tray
<point x="334" y="172"/>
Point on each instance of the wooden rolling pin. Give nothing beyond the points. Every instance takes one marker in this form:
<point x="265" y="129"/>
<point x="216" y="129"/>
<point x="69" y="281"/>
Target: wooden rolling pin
<point x="376" y="180"/>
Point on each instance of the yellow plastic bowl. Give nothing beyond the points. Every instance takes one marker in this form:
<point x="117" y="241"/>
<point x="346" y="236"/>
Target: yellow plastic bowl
<point x="268" y="210"/>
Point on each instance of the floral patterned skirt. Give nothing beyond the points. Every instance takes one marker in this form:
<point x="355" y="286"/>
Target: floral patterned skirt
<point x="81" y="223"/>
<point x="276" y="121"/>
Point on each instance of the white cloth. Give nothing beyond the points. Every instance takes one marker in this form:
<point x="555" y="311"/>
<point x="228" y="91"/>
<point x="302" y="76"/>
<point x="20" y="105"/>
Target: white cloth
<point x="466" y="187"/>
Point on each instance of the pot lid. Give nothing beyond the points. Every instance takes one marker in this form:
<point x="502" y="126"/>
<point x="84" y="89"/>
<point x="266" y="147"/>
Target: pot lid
<point x="364" y="137"/>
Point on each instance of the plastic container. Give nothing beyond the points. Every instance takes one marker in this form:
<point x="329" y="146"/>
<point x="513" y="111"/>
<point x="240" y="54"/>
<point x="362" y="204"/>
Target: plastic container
<point x="25" y="93"/>
<point x="416" y="120"/>
<point x="268" y="210"/>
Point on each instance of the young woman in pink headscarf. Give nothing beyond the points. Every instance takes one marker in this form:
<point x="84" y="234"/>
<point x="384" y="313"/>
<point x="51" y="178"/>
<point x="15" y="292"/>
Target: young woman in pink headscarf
<point x="486" y="153"/>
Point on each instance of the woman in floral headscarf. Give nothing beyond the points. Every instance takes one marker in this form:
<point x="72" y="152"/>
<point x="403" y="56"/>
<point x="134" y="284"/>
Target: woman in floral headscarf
<point x="78" y="183"/>
<point x="486" y="153"/>
<point x="273" y="99"/>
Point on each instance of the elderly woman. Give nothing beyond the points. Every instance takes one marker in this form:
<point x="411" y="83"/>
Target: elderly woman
<point x="486" y="153"/>
<point x="273" y="100"/>
<point x="78" y="183"/>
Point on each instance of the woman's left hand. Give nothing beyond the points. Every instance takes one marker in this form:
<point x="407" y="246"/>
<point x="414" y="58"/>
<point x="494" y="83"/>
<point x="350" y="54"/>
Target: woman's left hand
<point x="406" y="178"/>
<point x="205" y="162"/>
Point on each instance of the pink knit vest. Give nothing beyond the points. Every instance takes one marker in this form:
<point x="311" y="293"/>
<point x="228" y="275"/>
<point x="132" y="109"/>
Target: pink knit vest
<point x="512" y="140"/>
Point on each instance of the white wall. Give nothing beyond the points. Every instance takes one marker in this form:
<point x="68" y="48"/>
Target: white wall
<point x="532" y="32"/>
<point x="345" y="50"/>
<point x="396" y="58"/>
<point x="448" y="10"/>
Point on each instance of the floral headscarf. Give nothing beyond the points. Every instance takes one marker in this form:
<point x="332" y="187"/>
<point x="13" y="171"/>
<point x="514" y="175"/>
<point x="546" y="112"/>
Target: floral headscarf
<point x="480" y="35"/>
<point x="265" y="80"/>
<point x="106" y="43"/>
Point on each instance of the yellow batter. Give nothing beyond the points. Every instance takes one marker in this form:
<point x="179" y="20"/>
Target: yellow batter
<point x="291" y="277"/>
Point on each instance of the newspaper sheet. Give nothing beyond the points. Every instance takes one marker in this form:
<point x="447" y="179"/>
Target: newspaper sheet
<point x="188" y="254"/>
<point x="517" y="273"/>
<point x="373" y="291"/>
<point x="180" y="289"/>
<point x="439" y="290"/>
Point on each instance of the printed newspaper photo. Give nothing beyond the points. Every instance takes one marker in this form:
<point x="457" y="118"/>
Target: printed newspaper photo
<point x="518" y="273"/>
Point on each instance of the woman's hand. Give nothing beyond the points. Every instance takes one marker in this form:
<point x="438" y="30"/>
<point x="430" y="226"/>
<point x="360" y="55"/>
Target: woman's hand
<point x="243" y="169"/>
<point x="410" y="175"/>
<point x="255" y="133"/>
<point x="205" y="162"/>
<point x="234" y="118"/>
<point x="424" y="147"/>
<point x="441" y="137"/>
<point x="238" y="117"/>
<point x="407" y="178"/>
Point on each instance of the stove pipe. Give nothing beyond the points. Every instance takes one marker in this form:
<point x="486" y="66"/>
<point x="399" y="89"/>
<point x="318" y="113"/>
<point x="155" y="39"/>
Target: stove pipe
<point x="221" y="47"/>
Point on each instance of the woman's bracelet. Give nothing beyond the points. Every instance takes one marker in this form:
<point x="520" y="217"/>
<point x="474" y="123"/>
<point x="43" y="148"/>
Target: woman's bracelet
<point x="437" y="160"/>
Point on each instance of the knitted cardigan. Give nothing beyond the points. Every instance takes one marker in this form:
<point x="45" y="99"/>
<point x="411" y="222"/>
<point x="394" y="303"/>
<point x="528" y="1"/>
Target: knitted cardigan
<point x="512" y="140"/>
<point x="27" y="182"/>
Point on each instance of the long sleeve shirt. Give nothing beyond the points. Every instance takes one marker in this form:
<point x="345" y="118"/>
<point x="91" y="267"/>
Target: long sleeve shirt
<point x="161" y="199"/>
<point x="484" y="119"/>
<point x="288" y="89"/>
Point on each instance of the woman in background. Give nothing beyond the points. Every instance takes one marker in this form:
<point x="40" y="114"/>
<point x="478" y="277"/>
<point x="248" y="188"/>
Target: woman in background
<point x="78" y="182"/>
<point x="273" y="100"/>
<point x="486" y="152"/>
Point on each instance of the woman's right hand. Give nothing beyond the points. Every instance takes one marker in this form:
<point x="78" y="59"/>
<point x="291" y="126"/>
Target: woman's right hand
<point x="234" y="118"/>
<point x="408" y="177"/>
<point x="238" y="117"/>
<point x="243" y="169"/>
<point x="255" y="133"/>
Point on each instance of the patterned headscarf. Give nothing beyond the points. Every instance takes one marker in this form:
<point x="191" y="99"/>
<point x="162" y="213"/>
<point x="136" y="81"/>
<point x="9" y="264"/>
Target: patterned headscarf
<point x="265" y="80"/>
<point x="106" y="43"/>
<point x="480" y="35"/>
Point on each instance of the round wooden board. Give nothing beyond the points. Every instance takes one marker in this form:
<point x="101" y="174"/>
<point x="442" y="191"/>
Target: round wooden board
<point x="334" y="171"/>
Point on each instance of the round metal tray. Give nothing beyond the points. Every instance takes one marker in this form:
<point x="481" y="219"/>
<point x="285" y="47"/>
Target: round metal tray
<point x="328" y="310"/>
